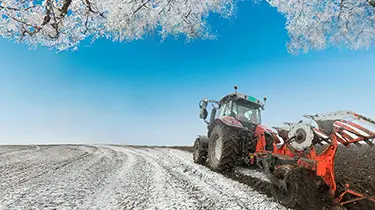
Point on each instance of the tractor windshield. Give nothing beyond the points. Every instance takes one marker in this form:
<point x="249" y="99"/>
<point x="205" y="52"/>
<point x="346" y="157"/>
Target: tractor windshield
<point x="246" y="112"/>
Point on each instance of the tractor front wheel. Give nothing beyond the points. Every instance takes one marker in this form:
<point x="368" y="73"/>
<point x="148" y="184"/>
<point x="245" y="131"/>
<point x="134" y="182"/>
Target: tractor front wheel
<point x="223" y="148"/>
<point x="199" y="153"/>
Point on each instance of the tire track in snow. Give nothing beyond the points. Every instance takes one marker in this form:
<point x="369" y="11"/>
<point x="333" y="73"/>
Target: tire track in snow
<point x="239" y="192"/>
<point x="33" y="165"/>
<point x="199" y="197"/>
<point x="115" y="177"/>
<point x="210" y="189"/>
<point x="167" y="192"/>
<point x="63" y="188"/>
<point x="128" y="187"/>
<point x="16" y="149"/>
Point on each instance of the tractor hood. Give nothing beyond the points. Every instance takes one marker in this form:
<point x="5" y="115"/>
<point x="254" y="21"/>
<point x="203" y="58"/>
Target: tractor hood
<point x="233" y="122"/>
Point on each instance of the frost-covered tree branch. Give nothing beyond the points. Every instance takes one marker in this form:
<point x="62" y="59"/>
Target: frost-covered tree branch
<point x="62" y="24"/>
<point x="316" y="24"/>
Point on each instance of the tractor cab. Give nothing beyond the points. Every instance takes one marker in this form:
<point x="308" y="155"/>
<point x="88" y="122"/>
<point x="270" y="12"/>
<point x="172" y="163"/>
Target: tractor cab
<point x="243" y="108"/>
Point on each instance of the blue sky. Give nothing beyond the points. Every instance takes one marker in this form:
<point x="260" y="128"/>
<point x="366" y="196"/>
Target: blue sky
<point x="147" y="92"/>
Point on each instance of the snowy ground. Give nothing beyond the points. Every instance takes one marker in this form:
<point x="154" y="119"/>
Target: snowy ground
<point x="111" y="177"/>
<point x="252" y="173"/>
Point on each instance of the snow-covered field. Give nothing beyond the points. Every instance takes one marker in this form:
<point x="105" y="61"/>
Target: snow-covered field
<point x="114" y="177"/>
<point x="252" y="173"/>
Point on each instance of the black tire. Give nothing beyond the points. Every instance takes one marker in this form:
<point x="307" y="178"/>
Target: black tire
<point x="223" y="148"/>
<point x="287" y="198"/>
<point x="199" y="152"/>
<point x="303" y="191"/>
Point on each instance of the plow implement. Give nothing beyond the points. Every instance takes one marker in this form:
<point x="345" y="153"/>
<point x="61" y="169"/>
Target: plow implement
<point x="299" y="151"/>
<point x="298" y="158"/>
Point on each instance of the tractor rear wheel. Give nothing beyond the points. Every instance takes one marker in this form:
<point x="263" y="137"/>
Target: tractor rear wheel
<point x="223" y="148"/>
<point x="199" y="153"/>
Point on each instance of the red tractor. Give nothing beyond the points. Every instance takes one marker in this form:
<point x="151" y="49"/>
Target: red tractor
<point x="234" y="129"/>
<point x="235" y="136"/>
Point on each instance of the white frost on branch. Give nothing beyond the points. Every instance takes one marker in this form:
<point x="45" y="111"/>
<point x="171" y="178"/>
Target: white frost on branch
<point x="62" y="24"/>
<point x="317" y="24"/>
<point x="130" y="20"/>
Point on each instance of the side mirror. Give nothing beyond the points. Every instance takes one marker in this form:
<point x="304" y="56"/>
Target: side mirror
<point x="202" y="105"/>
<point x="203" y="114"/>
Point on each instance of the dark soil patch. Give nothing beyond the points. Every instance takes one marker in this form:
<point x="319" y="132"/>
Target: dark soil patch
<point x="356" y="166"/>
<point x="311" y="196"/>
<point x="257" y="184"/>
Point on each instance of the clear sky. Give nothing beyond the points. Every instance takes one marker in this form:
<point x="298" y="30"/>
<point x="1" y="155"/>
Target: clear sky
<point x="147" y="92"/>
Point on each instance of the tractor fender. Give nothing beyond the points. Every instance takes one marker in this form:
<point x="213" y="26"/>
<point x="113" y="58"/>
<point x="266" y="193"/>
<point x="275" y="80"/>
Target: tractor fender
<point x="203" y="140"/>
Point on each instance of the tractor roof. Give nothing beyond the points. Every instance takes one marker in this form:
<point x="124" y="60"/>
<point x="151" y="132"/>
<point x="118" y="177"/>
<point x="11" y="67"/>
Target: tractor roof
<point x="238" y="96"/>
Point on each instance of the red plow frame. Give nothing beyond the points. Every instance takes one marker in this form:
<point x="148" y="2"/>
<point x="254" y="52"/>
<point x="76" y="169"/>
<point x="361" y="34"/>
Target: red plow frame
<point x="333" y="129"/>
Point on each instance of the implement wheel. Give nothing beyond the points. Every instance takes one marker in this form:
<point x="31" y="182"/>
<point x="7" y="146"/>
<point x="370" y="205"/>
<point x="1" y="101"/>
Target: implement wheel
<point x="288" y="194"/>
<point x="300" y="188"/>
